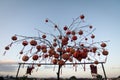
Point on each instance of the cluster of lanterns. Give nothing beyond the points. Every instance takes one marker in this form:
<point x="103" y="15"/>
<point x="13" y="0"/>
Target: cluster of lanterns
<point x="72" y="44"/>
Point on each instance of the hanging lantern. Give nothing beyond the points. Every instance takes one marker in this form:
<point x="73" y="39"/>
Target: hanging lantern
<point x="14" y="38"/>
<point x="25" y="58"/>
<point x="105" y="52"/>
<point x="38" y="47"/>
<point x="7" y="48"/>
<point x="33" y="42"/>
<point x="24" y="43"/>
<point x="54" y="61"/>
<point x="103" y="44"/>
<point x="82" y="16"/>
<point x="35" y="57"/>
<point x="61" y="62"/>
<point x="65" y="56"/>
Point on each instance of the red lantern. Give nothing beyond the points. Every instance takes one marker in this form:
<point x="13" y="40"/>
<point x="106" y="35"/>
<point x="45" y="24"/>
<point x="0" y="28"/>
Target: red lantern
<point x="43" y="46"/>
<point x="92" y="36"/>
<point x="80" y="32"/>
<point x="54" y="61"/>
<point x="103" y="44"/>
<point x="46" y="20"/>
<point x="14" y="38"/>
<point x="24" y="43"/>
<point x="35" y="57"/>
<point x="33" y="42"/>
<point x="7" y="48"/>
<point x="96" y="62"/>
<point x="38" y="47"/>
<point x="84" y="54"/>
<point x="65" y="56"/>
<point x="105" y="52"/>
<point x="65" y="28"/>
<point x="74" y="37"/>
<point x="90" y="27"/>
<point x="39" y="65"/>
<point x="56" y="55"/>
<point x="82" y="16"/>
<point x="43" y="36"/>
<point x="61" y="62"/>
<point x="68" y="32"/>
<point x="54" y="44"/>
<point x="25" y="58"/>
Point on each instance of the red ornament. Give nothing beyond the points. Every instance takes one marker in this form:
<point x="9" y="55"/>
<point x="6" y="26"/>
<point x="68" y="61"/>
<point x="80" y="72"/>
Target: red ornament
<point x="65" y="28"/>
<point x="103" y="44"/>
<point x="14" y="38"/>
<point x="38" y="47"/>
<point x="54" y="44"/>
<point x="105" y="52"/>
<point x="80" y="32"/>
<point x="35" y="57"/>
<point x="68" y="32"/>
<point x="33" y="42"/>
<point x="82" y="16"/>
<point x="90" y="27"/>
<point x="7" y="48"/>
<point x="61" y="62"/>
<point x="92" y="36"/>
<point x="74" y="37"/>
<point x="56" y="55"/>
<point x="65" y="56"/>
<point x="54" y="61"/>
<point x="46" y="20"/>
<point x="43" y="36"/>
<point x="24" y="43"/>
<point x="25" y="58"/>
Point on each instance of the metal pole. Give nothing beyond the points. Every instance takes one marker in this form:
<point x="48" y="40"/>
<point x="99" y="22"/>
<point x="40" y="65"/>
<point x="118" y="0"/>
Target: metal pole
<point x="104" y="71"/>
<point x="18" y="71"/>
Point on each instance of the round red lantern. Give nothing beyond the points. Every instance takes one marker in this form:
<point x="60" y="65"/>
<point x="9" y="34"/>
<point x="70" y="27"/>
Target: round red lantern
<point x="65" y="56"/>
<point x="65" y="28"/>
<point x="33" y="42"/>
<point x="25" y="58"/>
<point x="74" y="37"/>
<point x="24" y="43"/>
<point x="38" y="47"/>
<point x="14" y="38"/>
<point x="7" y="48"/>
<point x="35" y="57"/>
<point x="105" y="52"/>
<point x="82" y="16"/>
<point x="103" y="44"/>
<point x="61" y="62"/>
<point x="54" y="61"/>
<point x="80" y="32"/>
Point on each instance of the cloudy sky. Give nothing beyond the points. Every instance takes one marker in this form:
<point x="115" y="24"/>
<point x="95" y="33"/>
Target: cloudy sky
<point x="23" y="16"/>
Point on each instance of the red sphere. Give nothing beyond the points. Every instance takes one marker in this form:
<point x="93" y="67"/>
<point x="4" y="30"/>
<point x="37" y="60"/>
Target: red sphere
<point x="74" y="37"/>
<point x="103" y="44"/>
<point x="35" y="57"/>
<point x="33" y="42"/>
<point x="25" y="58"/>
<point x="82" y="16"/>
<point x="14" y="38"/>
<point x="65" y="28"/>
<point x="24" y="43"/>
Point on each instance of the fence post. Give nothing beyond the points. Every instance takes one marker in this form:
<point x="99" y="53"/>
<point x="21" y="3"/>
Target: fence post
<point x="18" y="70"/>
<point x="104" y="71"/>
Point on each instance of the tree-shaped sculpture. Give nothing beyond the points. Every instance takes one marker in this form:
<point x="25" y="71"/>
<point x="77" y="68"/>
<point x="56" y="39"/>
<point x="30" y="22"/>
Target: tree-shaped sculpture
<point x="70" y="44"/>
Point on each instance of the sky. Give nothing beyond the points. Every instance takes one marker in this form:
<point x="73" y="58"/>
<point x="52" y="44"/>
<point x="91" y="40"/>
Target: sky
<point x="23" y="16"/>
